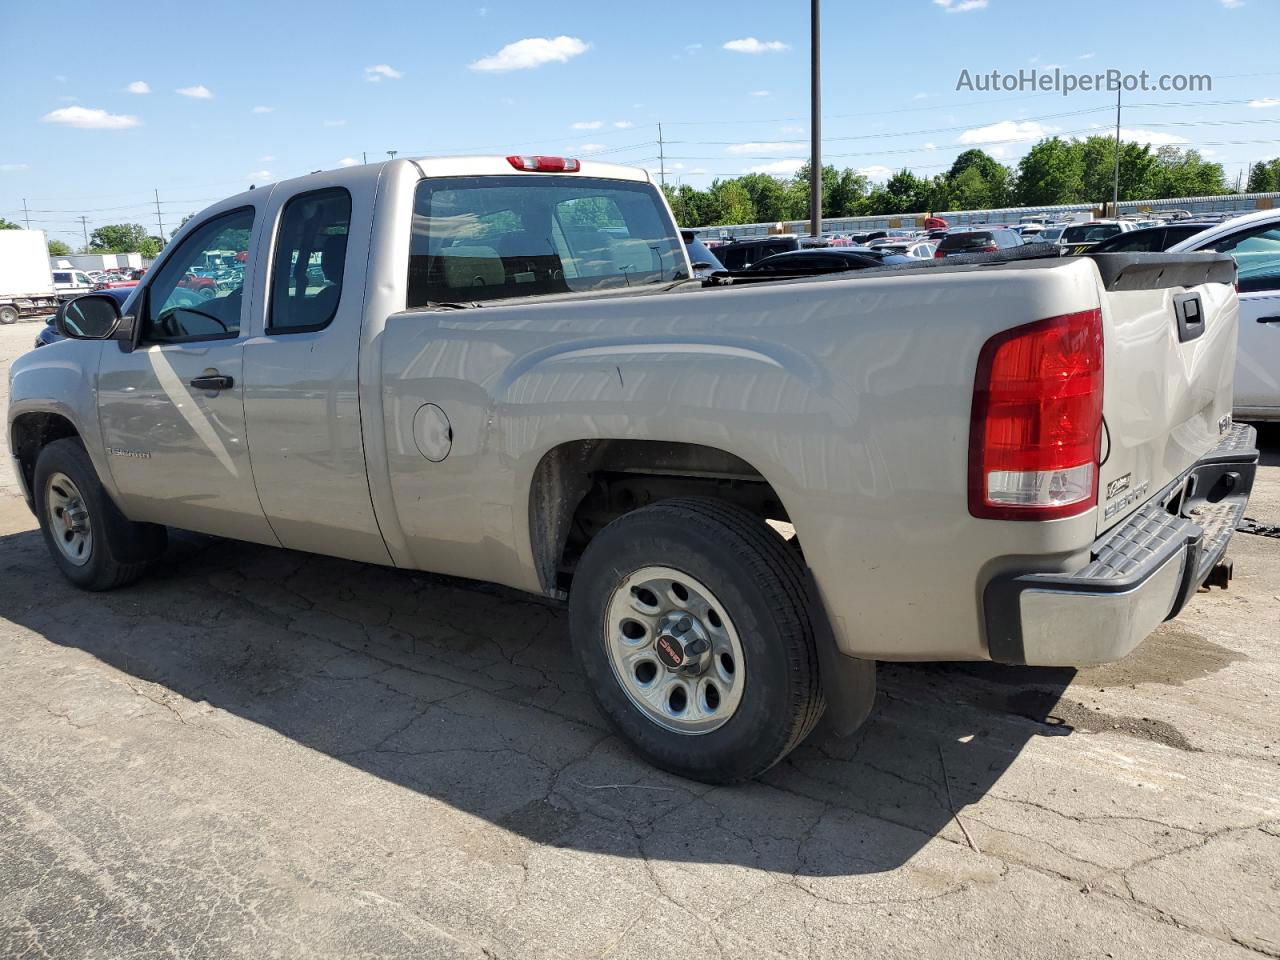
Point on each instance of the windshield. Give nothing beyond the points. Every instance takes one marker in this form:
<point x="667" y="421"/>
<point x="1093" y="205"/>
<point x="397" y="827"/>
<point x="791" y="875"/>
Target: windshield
<point x="1090" y="232"/>
<point x="493" y="238"/>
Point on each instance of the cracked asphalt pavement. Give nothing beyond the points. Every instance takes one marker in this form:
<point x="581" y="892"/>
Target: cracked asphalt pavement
<point x="258" y="753"/>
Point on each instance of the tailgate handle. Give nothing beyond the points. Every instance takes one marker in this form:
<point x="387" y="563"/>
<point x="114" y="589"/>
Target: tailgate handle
<point x="1189" y="310"/>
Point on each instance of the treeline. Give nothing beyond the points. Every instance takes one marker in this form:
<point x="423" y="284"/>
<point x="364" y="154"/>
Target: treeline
<point x="1054" y="171"/>
<point x="1264" y="177"/>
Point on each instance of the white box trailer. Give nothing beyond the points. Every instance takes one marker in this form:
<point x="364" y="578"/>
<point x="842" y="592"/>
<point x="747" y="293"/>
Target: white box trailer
<point x="97" y="261"/>
<point x="26" y="282"/>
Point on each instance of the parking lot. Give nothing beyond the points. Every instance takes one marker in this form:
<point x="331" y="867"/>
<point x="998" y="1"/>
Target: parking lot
<point x="260" y="753"/>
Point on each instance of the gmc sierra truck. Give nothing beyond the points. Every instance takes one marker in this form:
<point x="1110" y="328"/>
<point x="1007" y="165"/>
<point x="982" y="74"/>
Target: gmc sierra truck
<point x="502" y="369"/>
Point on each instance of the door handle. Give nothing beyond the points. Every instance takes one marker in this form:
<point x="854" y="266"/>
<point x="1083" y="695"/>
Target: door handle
<point x="1269" y="319"/>
<point x="213" y="382"/>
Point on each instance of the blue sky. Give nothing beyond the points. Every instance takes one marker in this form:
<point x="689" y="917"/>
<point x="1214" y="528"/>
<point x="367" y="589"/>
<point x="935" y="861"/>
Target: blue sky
<point x="200" y="100"/>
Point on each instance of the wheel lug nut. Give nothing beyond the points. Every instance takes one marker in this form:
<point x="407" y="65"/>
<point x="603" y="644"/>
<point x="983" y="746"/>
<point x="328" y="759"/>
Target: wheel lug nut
<point x="684" y="625"/>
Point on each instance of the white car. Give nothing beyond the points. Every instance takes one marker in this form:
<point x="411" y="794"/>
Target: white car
<point x="70" y="283"/>
<point x="1254" y="241"/>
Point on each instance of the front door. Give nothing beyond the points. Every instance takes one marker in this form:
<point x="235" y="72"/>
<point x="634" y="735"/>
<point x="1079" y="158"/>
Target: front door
<point x="172" y="411"/>
<point x="1257" y="253"/>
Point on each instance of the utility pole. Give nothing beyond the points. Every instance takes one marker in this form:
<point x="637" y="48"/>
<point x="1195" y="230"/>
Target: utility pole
<point x="1115" y="190"/>
<point x="815" y="119"/>
<point x="84" y="226"/>
<point x="26" y="214"/>
<point x="392" y="153"/>
<point x="159" y="221"/>
<point x="662" y="158"/>
<point x="364" y="156"/>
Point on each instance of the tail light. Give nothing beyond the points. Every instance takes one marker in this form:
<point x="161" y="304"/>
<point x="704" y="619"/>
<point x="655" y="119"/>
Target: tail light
<point x="1034" y="438"/>
<point x="939" y="255"/>
<point x="545" y="164"/>
<point x="990" y="250"/>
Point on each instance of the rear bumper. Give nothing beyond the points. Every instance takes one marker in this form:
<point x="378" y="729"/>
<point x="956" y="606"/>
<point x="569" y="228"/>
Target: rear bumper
<point x="1140" y="574"/>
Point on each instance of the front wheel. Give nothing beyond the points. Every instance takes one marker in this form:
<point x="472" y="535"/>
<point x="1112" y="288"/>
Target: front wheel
<point x="8" y="314"/>
<point x="691" y="620"/>
<point x="94" y="545"/>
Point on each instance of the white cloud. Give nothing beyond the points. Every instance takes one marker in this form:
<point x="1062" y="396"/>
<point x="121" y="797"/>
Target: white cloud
<point x="782" y="168"/>
<point x="1232" y="4"/>
<point x="1086" y="56"/>
<point x="263" y="110"/>
<point x="1155" y="138"/>
<point x="692" y="47"/>
<point x="335" y="123"/>
<point x="348" y="162"/>
<point x="587" y="125"/>
<point x="752" y="45"/>
<point x="1264" y="103"/>
<point x="588" y="147"/>
<point x="532" y="52"/>
<point x="623" y="124"/>
<point x="12" y="167"/>
<point x="87" y="118"/>
<point x="266" y="159"/>
<point x="773" y="147"/>
<point x="258" y="175"/>
<point x="139" y="86"/>
<point x="920" y="96"/>
<point x="198" y="92"/>
<point x="791" y="129"/>
<point x="760" y="93"/>
<point x="931" y="146"/>
<point x="380" y="72"/>
<point x="876" y="172"/>
<point x="961" y="6"/>
<point x="1006" y="130"/>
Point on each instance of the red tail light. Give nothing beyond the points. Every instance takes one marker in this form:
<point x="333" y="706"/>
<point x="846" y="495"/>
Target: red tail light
<point x="990" y="249"/>
<point x="1034" y="438"/>
<point x="546" y="164"/>
<point x="939" y="255"/>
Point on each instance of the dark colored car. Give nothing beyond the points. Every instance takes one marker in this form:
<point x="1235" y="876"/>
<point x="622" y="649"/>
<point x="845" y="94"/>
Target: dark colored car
<point x="49" y="333"/>
<point x="1151" y="239"/>
<point x="703" y="260"/>
<point x="977" y="241"/>
<point x="740" y="254"/>
<point x="834" y="260"/>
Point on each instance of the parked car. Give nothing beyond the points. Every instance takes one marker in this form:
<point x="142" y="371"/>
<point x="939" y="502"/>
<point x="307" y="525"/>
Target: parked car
<point x="990" y="240"/>
<point x="1050" y="234"/>
<point x="564" y="413"/>
<point x="71" y="283"/>
<point x="703" y="261"/>
<point x="918" y="249"/>
<point x="205" y="287"/>
<point x="833" y="260"/>
<point x="1081" y="237"/>
<point x="1254" y="241"/>
<point x="1150" y="239"/>
<point x="740" y="254"/>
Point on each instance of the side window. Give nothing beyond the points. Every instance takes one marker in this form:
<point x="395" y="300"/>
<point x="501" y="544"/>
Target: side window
<point x="183" y="304"/>
<point x="1257" y="253"/>
<point x="62" y="278"/>
<point x="310" y="259"/>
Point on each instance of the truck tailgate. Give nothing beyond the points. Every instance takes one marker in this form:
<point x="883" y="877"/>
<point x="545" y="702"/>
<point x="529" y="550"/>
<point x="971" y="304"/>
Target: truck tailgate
<point x="1170" y="323"/>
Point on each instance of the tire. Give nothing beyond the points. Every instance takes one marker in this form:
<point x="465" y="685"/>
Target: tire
<point x="94" y="545"/>
<point x="765" y="705"/>
<point x="8" y="314"/>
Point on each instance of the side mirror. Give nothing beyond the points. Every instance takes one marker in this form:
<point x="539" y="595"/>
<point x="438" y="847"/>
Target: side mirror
<point x="91" y="317"/>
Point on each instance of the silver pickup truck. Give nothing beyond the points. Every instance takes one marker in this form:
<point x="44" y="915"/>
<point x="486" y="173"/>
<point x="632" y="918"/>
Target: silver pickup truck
<point x="500" y="369"/>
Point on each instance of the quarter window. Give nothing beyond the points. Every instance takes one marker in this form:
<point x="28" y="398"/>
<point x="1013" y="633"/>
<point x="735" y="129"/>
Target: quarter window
<point x="1257" y="254"/>
<point x="186" y="300"/>
<point x="310" y="260"/>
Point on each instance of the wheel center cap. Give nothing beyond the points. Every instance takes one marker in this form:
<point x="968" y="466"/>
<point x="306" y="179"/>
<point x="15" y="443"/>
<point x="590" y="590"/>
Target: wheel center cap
<point x="670" y="651"/>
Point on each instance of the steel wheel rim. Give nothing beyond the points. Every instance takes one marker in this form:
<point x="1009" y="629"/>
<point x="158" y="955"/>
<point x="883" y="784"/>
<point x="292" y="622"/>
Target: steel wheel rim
<point x="68" y="517"/>
<point x="705" y="691"/>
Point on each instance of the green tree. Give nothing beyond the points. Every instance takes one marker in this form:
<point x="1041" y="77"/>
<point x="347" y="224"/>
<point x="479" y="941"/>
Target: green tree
<point x="1051" y="172"/>
<point x="730" y="203"/>
<point x="1184" y="173"/>
<point x="1264" y="177"/>
<point x="768" y="196"/>
<point x="9" y="224"/>
<point x="118" y="238"/>
<point x="58" y="249"/>
<point x="1098" y="158"/>
<point x="181" y="224"/>
<point x="150" y="248"/>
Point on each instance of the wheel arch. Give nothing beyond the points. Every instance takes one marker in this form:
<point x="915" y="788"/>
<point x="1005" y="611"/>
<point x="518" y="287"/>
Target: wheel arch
<point x="30" y="432"/>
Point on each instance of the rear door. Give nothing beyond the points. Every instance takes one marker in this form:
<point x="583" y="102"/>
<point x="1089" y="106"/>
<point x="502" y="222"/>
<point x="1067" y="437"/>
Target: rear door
<point x="1257" y="253"/>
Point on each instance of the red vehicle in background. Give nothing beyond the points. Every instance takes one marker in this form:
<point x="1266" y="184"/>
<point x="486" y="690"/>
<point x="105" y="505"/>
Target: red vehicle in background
<point x="205" y="287"/>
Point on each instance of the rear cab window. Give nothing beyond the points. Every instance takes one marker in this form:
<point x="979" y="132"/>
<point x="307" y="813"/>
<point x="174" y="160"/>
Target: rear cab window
<point x="974" y="240"/>
<point x="310" y="260"/>
<point x="501" y="237"/>
<point x="1090" y="232"/>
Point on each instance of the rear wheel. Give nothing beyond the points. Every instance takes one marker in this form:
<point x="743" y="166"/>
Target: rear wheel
<point x="691" y="621"/>
<point x="91" y="541"/>
<point x="8" y="314"/>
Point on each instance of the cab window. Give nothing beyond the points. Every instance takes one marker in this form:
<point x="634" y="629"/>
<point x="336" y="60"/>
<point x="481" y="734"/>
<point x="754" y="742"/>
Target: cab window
<point x="183" y="302"/>
<point x="1257" y="254"/>
<point x="310" y="260"/>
